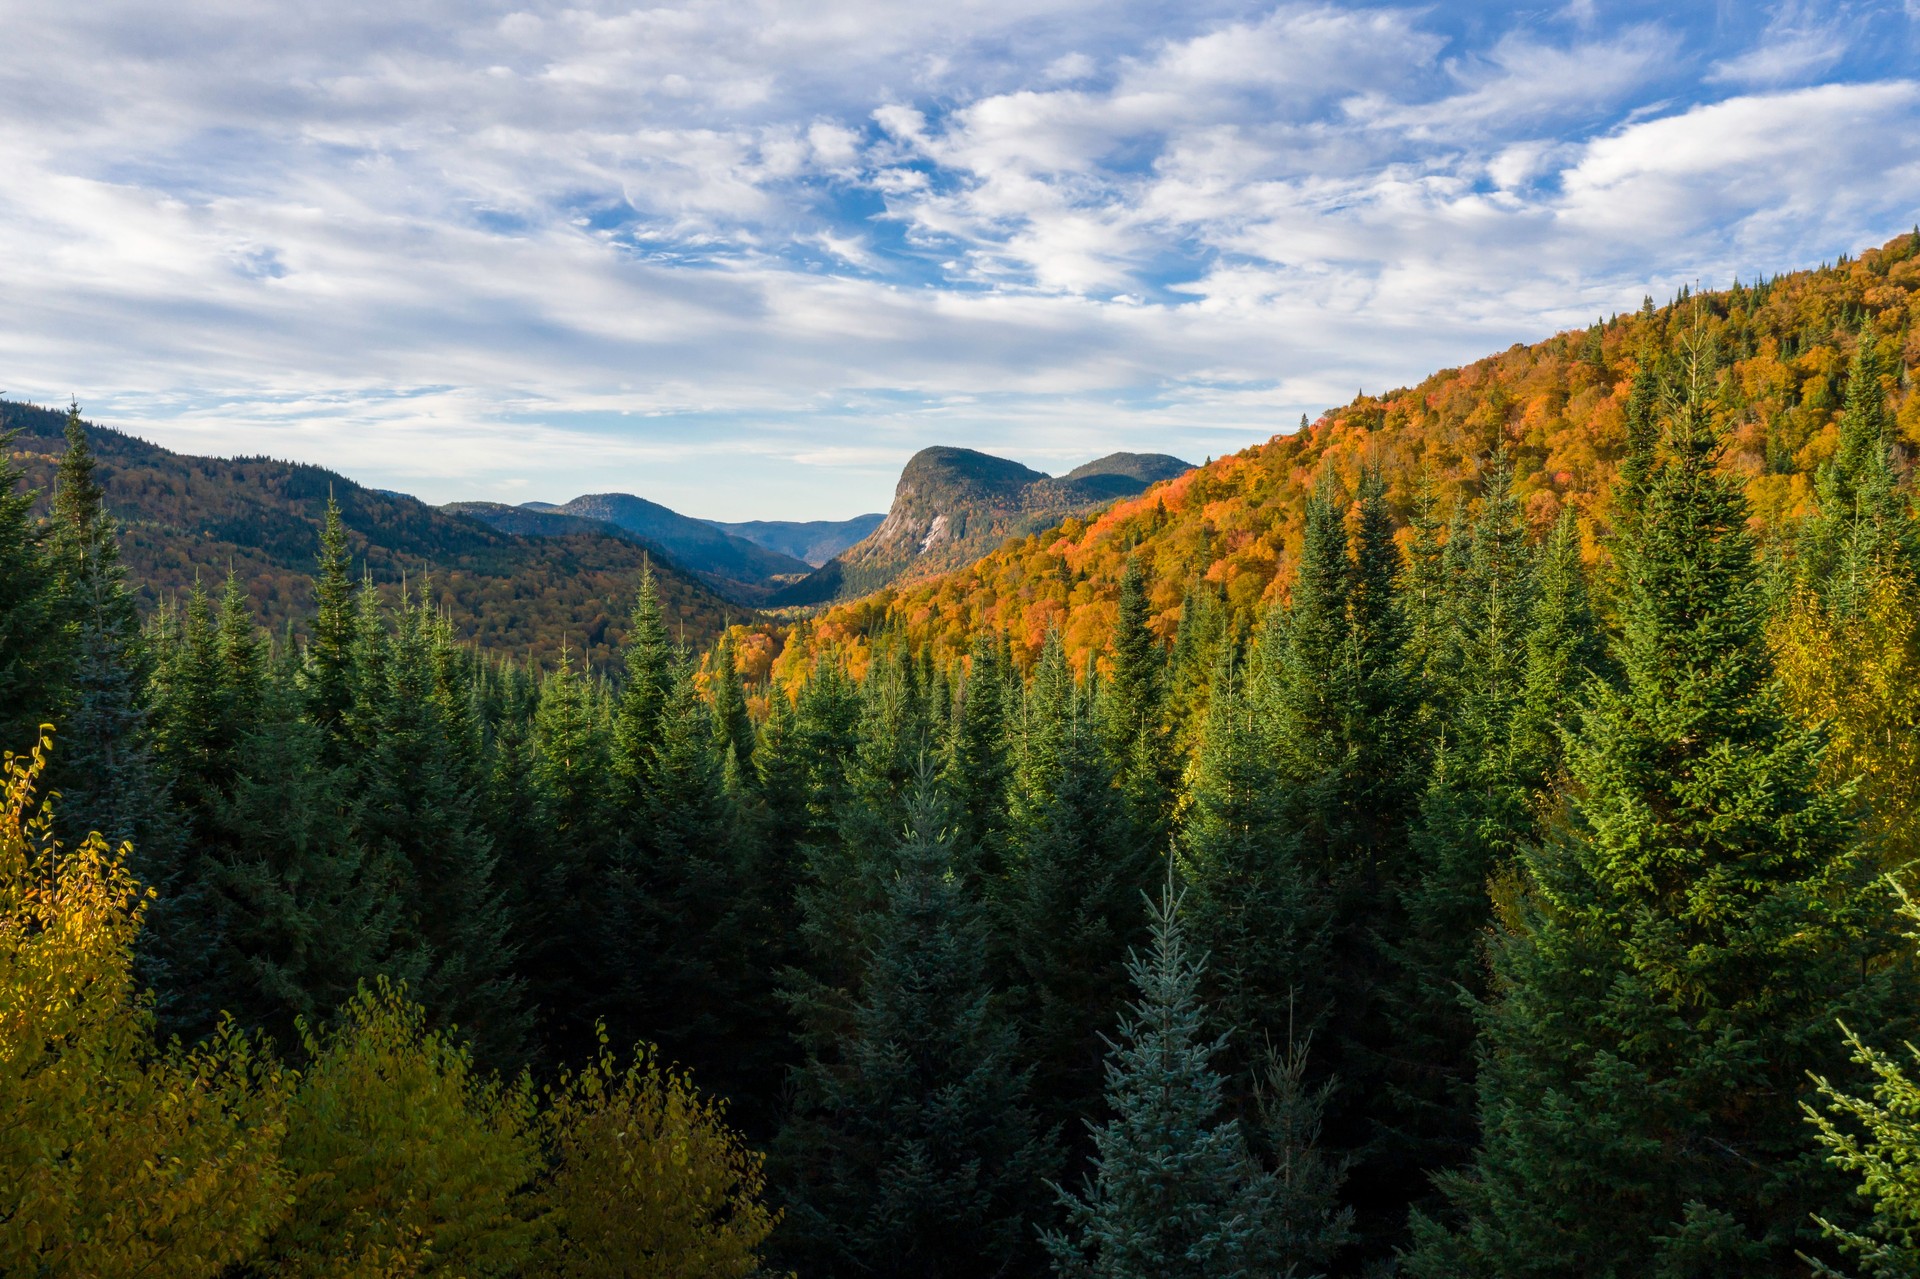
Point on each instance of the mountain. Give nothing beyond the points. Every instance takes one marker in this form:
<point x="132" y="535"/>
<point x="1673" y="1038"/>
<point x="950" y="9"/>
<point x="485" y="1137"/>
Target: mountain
<point x="189" y="518"/>
<point x="1558" y="407"/>
<point x="954" y="505"/>
<point x="736" y="567"/>
<point x="814" y="541"/>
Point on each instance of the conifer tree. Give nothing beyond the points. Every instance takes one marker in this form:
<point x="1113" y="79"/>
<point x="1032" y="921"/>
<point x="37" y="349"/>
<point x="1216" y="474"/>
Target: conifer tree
<point x="844" y="886"/>
<point x="1253" y="909"/>
<point x="328" y="672"/>
<point x="649" y="662"/>
<point x="1563" y="651"/>
<point x="1675" y="956"/>
<point x="1065" y="913"/>
<point x="29" y="639"/>
<point x="912" y="1151"/>
<point x="976" y="766"/>
<point x="732" y="726"/>
<point x="1204" y="628"/>
<point x="417" y="820"/>
<point x="577" y="920"/>
<point x="105" y="773"/>
<point x="1134" y="711"/>
<point x="1174" y="1191"/>
<point x="1477" y="807"/>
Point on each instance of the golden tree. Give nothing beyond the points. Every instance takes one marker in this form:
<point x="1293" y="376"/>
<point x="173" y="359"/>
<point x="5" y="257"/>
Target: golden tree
<point x="648" y="1178"/>
<point x="118" y="1156"/>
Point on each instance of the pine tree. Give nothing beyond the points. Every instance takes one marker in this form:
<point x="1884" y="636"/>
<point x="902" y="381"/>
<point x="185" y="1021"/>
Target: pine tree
<point x="576" y="917"/>
<point x="912" y="1151"/>
<point x="1174" y="1191"/>
<point x="732" y="726"/>
<point x="1674" y="957"/>
<point x="649" y="662"/>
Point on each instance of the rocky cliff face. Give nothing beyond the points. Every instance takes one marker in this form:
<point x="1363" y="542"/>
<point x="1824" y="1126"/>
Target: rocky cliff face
<point x="954" y="505"/>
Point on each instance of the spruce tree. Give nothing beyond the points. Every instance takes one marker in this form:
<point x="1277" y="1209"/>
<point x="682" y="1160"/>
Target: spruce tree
<point x="104" y="768"/>
<point x="1065" y="912"/>
<point x="29" y="639"/>
<point x="1477" y="807"/>
<point x="1673" y="957"/>
<point x="912" y="1151"/>
<point x="976" y="766"/>
<point x="418" y="819"/>
<point x="1174" y="1191"/>
<point x="576" y="931"/>
<point x="1253" y="909"/>
<point x="1134" y="712"/>
<point x="327" y="672"/>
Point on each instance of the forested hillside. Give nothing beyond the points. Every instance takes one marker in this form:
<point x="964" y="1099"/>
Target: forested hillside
<point x="1559" y="407"/>
<point x="185" y="519"/>
<point x="1442" y="868"/>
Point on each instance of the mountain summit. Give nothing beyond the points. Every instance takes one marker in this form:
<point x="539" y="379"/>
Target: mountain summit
<point x="954" y="505"/>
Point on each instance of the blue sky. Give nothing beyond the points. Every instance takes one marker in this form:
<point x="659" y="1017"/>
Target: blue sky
<point x="745" y="258"/>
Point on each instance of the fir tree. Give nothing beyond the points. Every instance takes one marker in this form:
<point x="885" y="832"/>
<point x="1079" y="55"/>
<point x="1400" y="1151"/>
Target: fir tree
<point x="1253" y="909"/>
<point x="418" y="820"/>
<point x="1065" y="917"/>
<point x="328" y="672"/>
<point x="104" y="769"/>
<point x="912" y="1151"/>
<point x="577" y="915"/>
<point x="1676" y="954"/>
<point x="976" y="766"/>
<point x="29" y="639"/>
<point x="1478" y="806"/>
<point x="1174" y="1191"/>
<point x="1134" y="712"/>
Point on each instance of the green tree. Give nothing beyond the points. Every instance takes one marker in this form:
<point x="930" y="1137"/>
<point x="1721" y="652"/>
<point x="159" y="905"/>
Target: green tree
<point x="1064" y="912"/>
<point x="912" y="1150"/>
<point x="417" y="817"/>
<point x="105" y="774"/>
<point x="1675" y="954"/>
<point x="1252" y="908"/>
<point x="29" y="639"/>
<point x="406" y="1160"/>
<point x="1174" y="1190"/>
<point x="1135" y="713"/>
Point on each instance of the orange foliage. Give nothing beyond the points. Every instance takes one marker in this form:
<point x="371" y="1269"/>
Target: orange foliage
<point x="1558" y="406"/>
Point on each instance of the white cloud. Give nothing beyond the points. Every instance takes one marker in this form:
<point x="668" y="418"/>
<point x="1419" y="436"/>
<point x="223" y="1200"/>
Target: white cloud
<point x="415" y="239"/>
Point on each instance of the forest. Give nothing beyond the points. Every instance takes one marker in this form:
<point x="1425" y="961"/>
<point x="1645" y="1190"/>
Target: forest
<point x="1502" y="888"/>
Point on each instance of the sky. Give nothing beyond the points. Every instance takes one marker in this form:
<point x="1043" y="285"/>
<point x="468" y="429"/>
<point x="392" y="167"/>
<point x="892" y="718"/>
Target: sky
<point x="745" y="258"/>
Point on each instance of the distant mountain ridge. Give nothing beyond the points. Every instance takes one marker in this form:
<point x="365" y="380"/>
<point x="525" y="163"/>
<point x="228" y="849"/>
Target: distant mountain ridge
<point x="185" y="519"/>
<point x="738" y="568"/>
<point x="954" y="505"/>
<point x="814" y="541"/>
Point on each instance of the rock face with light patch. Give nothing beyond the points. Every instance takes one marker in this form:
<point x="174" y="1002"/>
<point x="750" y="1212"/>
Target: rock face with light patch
<point x="954" y="505"/>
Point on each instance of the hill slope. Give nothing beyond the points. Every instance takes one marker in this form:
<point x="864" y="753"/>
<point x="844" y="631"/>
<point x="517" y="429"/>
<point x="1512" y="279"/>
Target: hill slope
<point x="186" y="517"/>
<point x="813" y="541"/>
<point x="954" y="505"/>
<point x="1558" y="407"/>
<point x="735" y="567"/>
